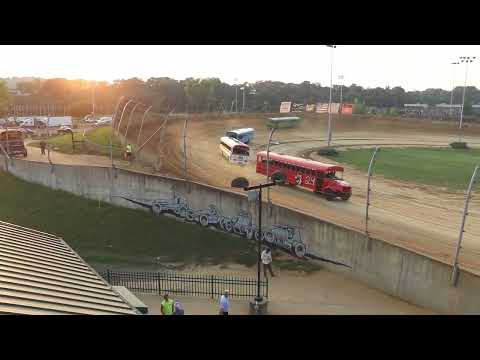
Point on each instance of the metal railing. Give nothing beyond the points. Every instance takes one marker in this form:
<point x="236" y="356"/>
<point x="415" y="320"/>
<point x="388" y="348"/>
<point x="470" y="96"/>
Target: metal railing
<point x="185" y="284"/>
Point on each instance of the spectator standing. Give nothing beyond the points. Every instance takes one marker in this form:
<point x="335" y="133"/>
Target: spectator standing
<point x="43" y="145"/>
<point x="224" y="303"/>
<point x="267" y="262"/>
<point x="167" y="305"/>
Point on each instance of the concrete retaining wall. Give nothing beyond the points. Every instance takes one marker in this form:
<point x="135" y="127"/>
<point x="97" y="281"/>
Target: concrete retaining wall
<point x="396" y="271"/>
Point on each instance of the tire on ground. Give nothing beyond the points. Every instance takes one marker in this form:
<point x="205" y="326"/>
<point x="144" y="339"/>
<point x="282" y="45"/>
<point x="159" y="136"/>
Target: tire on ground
<point x="203" y="220"/>
<point x="299" y="249"/>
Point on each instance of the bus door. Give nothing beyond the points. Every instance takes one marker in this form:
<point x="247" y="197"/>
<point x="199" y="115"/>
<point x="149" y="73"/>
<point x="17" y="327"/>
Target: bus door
<point x="320" y="175"/>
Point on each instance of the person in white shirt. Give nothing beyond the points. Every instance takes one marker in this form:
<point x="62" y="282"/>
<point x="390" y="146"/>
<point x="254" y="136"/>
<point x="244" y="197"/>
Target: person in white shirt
<point x="224" y="303"/>
<point x="267" y="262"/>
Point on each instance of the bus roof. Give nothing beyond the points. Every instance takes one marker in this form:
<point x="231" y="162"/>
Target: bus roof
<point x="305" y="163"/>
<point x="242" y="131"/>
<point x="232" y="142"/>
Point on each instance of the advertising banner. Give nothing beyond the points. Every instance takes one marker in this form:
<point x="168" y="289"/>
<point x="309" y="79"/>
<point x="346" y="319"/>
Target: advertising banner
<point x="347" y="109"/>
<point x="285" y="106"/>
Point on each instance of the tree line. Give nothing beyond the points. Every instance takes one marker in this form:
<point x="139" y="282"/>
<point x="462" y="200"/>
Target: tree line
<point x="213" y="95"/>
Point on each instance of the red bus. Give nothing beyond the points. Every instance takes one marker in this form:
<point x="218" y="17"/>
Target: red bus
<point x="319" y="177"/>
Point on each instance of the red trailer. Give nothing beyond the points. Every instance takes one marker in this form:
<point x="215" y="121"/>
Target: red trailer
<point x="319" y="177"/>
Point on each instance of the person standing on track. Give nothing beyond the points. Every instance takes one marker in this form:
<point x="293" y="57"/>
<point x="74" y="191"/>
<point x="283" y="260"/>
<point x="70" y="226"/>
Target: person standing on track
<point x="224" y="303"/>
<point x="267" y="262"/>
<point x="43" y="145"/>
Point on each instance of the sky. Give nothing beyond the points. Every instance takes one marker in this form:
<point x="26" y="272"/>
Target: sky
<point x="413" y="67"/>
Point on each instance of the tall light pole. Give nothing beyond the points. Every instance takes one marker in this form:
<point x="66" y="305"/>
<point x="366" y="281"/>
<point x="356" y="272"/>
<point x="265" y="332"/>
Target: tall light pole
<point x="340" y="77"/>
<point x="466" y="60"/>
<point x="453" y="86"/>
<point x="330" y="99"/>
<point x="236" y="95"/>
<point x="93" y="101"/>
<point x="243" y="101"/>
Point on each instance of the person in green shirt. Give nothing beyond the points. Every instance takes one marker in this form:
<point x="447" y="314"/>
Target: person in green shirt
<point x="167" y="305"/>
<point x="128" y="152"/>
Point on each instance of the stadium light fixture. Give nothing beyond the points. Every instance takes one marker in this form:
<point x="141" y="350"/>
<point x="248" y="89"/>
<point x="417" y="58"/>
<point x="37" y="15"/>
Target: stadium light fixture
<point x="467" y="60"/>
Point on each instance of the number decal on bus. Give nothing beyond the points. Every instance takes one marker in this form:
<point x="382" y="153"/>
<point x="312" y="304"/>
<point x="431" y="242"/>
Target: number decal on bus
<point x="309" y="180"/>
<point x="298" y="179"/>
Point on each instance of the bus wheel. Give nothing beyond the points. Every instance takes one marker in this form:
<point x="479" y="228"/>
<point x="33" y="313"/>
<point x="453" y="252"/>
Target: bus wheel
<point x="329" y="195"/>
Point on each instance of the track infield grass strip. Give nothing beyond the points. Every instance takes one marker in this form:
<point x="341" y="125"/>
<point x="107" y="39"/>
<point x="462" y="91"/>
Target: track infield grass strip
<point x="444" y="167"/>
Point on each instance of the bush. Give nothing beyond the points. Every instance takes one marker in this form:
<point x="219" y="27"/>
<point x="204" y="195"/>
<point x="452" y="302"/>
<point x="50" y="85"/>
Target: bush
<point x="327" y="151"/>
<point x="459" y="145"/>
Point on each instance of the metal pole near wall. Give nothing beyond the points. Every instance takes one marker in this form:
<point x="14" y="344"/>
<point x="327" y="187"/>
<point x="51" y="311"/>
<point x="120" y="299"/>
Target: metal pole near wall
<point x="141" y="125"/>
<point x="460" y="237"/>
<point x="185" y="147"/>
<point x="367" y="204"/>
<point x="268" y="170"/>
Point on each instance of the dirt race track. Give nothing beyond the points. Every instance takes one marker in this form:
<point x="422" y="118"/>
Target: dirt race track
<point x="424" y="219"/>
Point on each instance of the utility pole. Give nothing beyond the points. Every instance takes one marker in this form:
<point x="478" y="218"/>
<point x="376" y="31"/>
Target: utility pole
<point x="330" y="99"/>
<point x="236" y="96"/>
<point x="453" y="87"/>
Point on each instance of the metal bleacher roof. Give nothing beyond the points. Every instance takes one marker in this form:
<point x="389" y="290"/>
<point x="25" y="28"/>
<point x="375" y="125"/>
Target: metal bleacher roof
<point x="40" y="274"/>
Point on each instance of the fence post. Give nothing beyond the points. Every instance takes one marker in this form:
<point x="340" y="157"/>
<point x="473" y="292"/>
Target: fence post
<point x="267" y="286"/>
<point x="158" y="283"/>
<point x="211" y="285"/>
<point x="108" y="276"/>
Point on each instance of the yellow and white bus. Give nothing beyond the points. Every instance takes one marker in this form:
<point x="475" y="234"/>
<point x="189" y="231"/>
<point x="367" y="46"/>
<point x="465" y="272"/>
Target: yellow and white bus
<point x="234" y="150"/>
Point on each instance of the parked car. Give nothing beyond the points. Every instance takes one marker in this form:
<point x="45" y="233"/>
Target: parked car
<point x="62" y="130"/>
<point x="89" y="118"/>
<point x="104" y="121"/>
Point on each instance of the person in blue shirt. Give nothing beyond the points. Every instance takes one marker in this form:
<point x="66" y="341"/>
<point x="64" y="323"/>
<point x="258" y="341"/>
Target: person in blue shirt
<point x="224" y="303"/>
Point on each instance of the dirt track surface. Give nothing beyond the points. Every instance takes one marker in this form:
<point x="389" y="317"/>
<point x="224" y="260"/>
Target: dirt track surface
<point x="420" y="218"/>
<point x="424" y="219"/>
